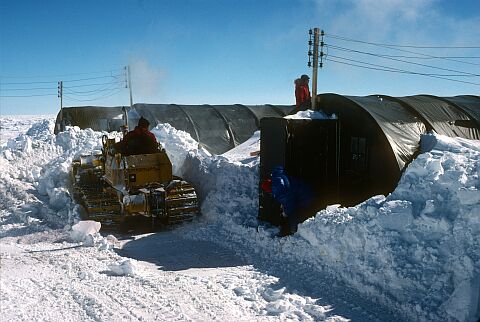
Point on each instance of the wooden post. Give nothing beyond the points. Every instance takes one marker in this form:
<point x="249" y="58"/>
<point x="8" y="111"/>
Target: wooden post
<point x="316" y="32"/>
<point x="61" y="126"/>
<point x="130" y="85"/>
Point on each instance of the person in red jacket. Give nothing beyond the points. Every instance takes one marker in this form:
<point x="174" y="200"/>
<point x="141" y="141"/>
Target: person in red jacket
<point x="302" y="93"/>
<point x="140" y="140"/>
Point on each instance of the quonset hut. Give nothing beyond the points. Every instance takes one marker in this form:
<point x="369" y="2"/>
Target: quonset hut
<point x="359" y="154"/>
<point x="218" y="128"/>
<point x="364" y="150"/>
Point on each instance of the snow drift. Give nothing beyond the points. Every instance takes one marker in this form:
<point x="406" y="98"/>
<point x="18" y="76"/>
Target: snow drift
<point x="415" y="250"/>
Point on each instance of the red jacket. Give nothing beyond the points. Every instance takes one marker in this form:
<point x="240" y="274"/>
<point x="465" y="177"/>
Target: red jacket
<point x="139" y="141"/>
<point x="302" y="94"/>
<point x="140" y="131"/>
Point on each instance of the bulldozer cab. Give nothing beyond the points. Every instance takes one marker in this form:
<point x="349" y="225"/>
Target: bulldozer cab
<point x="131" y="172"/>
<point x="112" y="187"/>
<point x="143" y="169"/>
<point x="138" y="145"/>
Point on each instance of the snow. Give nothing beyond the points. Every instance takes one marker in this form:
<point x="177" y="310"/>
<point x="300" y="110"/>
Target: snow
<point x="124" y="267"/>
<point x="13" y="125"/>
<point x="310" y="114"/>
<point x="412" y="255"/>
<point x="177" y="144"/>
<point x="85" y="232"/>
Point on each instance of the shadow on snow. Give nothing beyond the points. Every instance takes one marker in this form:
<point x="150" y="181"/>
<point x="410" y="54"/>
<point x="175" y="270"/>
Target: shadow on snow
<point x="172" y="252"/>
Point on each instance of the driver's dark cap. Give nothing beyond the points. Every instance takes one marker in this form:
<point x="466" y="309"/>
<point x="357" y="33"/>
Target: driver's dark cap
<point x="143" y="122"/>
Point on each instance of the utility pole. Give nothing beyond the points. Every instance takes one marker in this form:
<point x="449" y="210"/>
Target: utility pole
<point x="129" y="84"/>
<point x="60" y="95"/>
<point x="316" y="42"/>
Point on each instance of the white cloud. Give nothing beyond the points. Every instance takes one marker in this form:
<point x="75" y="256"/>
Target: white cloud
<point x="146" y="79"/>
<point x="400" y="22"/>
<point x="374" y="19"/>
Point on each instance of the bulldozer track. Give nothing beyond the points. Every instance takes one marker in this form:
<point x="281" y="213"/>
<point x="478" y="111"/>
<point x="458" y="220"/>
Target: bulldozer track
<point x="119" y="190"/>
<point x="101" y="203"/>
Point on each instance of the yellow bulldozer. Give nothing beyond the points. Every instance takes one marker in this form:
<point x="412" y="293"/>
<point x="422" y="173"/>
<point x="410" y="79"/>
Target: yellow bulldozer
<point x="122" y="190"/>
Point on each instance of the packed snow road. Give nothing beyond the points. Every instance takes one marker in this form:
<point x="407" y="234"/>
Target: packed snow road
<point x="59" y="282"/>
<point x="162" y="276"/>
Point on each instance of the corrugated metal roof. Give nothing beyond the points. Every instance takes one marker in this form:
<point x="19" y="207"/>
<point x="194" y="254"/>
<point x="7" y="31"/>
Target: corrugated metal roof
<point x="219" y="128"/>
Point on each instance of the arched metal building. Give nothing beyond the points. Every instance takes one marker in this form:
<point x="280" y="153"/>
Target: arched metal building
<point x="363" y="152"/>
<point x="218" y="128"/>
<point x="357" y="155"/>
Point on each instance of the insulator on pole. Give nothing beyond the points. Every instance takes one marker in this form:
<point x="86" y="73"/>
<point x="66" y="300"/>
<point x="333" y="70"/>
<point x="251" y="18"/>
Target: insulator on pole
<point x="316" y="32"/>
<point x="322" y="43"/>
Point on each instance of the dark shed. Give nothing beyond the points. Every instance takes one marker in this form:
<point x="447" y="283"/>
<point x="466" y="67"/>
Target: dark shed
<point x="376" y="137"/>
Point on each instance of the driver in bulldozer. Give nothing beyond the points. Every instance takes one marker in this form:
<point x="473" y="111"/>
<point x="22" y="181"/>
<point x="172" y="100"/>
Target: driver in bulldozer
<point x="139" y="141"/>
<point x="131" y="182"/>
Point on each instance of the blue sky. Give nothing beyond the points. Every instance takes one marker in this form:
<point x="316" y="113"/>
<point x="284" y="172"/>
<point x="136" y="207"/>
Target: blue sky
<point x="227" y="52"/>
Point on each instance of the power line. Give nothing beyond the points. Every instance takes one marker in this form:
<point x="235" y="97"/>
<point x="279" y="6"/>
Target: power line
<point x="402" y="46"/>
<point x="97" y="84"/>
<point x="71" y="80"/>
<point x="436" y="57"/>
<point x="29" y="83"/>
<point x="393" y="70"/>
<point x="403" y="61"/>
<point x="395" y="47"/>
<point x="65" y="75"/>
<point x="92" y="78"/>
<point x="27" y="89"/>
<point x="93" y="99"/>
<point x="394" y="56"/>
<point x="107" y="87"/>
<point x="53" y="88"/>
<point x="28" y="95"/>
<point x="90" y="92"/>
<point x="68" y="88"/>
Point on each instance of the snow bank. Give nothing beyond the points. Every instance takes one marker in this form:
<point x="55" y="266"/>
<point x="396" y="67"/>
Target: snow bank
<point x="35" y="165"/>
<point x="12" y="126"/>
<point x="416" y="250"/>
<point x="176" y="143"/>
<point x="34" y="176"/>
<point x="226" y="190"/>
<point x="242" y="152"/>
